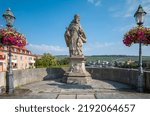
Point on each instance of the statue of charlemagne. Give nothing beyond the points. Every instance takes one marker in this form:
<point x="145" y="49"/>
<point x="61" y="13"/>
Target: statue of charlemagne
<point x="75" y="37"/>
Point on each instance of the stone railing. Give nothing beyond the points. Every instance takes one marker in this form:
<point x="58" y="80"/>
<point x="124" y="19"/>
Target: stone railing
<point x="127" y="76"/>
<point x="22" y="77"/>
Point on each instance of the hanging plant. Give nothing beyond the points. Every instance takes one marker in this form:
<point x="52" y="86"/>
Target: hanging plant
<point x="136" y="35"/>
<point x="9" y="36"/>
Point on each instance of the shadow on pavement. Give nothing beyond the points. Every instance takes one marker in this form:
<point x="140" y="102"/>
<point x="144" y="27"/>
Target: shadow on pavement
<point x="68" y="86"/>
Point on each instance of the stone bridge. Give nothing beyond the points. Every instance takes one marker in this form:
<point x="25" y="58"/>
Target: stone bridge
<point x="44" y="83"/>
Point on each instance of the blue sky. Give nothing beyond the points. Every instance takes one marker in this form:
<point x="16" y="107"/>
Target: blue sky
<point x="43" y="22"/>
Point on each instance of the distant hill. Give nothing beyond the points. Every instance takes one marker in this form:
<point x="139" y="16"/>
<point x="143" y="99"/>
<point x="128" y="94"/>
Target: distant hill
<point x="59" y="57"/>
<point x="109" y="58"/>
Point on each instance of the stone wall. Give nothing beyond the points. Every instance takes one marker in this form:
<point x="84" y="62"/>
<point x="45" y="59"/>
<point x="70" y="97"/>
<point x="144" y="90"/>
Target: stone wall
<point x="2" y="81"/>
<point x="127" y="76"/>
<point x="22" y="77"/>
<point x="147" y="80"/>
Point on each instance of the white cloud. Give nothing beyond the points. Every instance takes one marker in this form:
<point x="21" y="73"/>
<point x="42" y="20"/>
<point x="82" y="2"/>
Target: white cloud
<point x="146" y="7"/>
<point x="95" y="2"/>
<point x="43" y="48"/>
<point x="110" y="48"/>
<point x="127" y="9"/>
<point x="123" y="29"/>
<point x="96" y="47"/>
<point x="106" y="48"/>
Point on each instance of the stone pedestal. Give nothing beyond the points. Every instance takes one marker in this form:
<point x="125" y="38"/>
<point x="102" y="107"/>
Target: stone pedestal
<point x="77" y="73"/>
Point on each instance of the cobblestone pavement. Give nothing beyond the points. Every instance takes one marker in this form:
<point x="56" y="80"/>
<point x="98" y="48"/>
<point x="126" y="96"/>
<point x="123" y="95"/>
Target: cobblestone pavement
<point x="96" y="89"/>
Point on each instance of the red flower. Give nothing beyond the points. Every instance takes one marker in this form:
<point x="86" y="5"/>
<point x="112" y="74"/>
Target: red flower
<point x="136" y="35"/>
<point x="10" y="36"/>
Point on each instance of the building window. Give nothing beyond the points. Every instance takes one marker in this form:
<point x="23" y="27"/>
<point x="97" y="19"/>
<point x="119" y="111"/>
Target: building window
<point x="1" y="57"/>
<point x="5" y="48"/>
<point x="30" y="58"/>
<point x="12" y="49"/>
<point x="4" y="56"/>
<point x="18" y="50"/>
<point x="16" y="57"/>
<point x="15" y="50"/>
<point x="20" y="57"/>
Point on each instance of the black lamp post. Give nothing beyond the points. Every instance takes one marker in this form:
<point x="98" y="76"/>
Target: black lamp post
<point x="9" y="17"/>
<point x="139" y="17"/>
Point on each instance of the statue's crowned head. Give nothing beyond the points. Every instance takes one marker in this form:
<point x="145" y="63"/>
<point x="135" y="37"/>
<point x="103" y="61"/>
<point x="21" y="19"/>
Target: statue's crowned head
<point x="77" y="18"/>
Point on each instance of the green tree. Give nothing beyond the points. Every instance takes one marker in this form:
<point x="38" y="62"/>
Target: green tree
<point x="47" y="60"/>
<point x="64" y="61"/>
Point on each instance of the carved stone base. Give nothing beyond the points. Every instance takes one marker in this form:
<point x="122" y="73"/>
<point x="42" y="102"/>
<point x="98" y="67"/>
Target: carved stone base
<point x="77" y="73"/>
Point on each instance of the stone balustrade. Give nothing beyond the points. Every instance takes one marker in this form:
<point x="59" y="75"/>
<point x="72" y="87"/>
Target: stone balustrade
<point x="127" y="76"/>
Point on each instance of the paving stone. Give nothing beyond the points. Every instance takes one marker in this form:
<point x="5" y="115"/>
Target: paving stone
<point x="125" y="95"/>
<point x="66" y="97"/>
<point x="97" y="88"/>
<point x="45" y="96"/>
<point x="85" y="97"/>
<point x="33" y="96"/>
<point x="108" y="96"/>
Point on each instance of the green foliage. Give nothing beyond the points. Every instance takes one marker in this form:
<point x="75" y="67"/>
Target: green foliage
<point x="113" y="58"/>
<point x="47" y="60"/>
<point x="132" y="65"/>
<point x="64" y="61"/>
<point x="148" y="67"/>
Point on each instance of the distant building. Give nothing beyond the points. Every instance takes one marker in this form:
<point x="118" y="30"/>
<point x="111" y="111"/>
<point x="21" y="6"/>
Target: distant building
<point x="39" y="56"/>
<point x="21" y="58"/>
<point x="130" y="62"/>
<point x="99" y="64"/>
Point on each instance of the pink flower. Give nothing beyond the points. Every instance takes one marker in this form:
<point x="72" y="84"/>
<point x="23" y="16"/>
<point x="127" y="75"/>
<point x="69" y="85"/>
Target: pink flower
<point x="137" y="34"/>
<point x="11" y="37"/>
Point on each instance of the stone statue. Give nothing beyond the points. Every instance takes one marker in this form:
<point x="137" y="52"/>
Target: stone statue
<point x="75" y="37"/>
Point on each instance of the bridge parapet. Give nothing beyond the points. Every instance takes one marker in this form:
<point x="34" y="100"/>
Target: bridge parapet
<point x="126" y="76"/>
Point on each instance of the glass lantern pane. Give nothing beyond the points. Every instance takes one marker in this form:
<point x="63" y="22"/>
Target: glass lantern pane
<point x="139" y="18"/>
<point x="9" y="20"/>
<point x="143" y="17"/>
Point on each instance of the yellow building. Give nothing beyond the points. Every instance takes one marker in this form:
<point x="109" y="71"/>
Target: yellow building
<point x="21" y="58"/>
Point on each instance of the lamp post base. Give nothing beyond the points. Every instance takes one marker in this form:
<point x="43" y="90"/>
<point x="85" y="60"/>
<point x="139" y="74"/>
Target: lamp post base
<point x="10" y="91"/>
<point x="140" y="86"/>
<point x="9" y="83"/>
